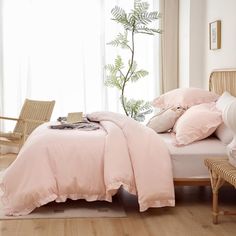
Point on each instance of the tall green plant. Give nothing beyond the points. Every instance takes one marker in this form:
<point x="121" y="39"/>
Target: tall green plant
<point x="137" y="21"/>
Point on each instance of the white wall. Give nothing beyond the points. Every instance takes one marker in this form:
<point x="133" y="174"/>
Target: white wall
<point x="196" y="60"/>
<point x="1" y="67"/>
<point x="197" y="42"/>
<point x="224" y="10"/>
<point x="191" y="42"/>
<point x="184" y="42"/>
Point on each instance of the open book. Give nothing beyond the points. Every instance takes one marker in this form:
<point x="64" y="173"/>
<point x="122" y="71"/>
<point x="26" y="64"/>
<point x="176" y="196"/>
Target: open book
<point x="74" y="117"/>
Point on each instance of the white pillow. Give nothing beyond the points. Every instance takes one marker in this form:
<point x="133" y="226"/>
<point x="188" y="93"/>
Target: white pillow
<point x="227" y="104"/>
<point x="224" y="101"/>
<point x="165" y="120"/>
<point x="231" y="148"/>
<point x="224" y="134"/>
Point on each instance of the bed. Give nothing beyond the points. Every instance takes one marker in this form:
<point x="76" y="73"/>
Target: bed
<point x="54" y="165"/>
<point x="188" y="161"/>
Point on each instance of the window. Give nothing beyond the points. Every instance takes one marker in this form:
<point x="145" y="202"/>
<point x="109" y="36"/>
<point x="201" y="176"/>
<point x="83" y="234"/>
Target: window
<point x="56" y="49"/>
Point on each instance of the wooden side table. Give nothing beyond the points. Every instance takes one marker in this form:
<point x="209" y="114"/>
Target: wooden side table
<point x="220" y="171"/>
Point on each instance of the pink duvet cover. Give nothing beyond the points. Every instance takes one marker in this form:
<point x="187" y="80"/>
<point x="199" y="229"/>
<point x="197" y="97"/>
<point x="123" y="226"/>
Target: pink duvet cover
<point x="91" y="165"/>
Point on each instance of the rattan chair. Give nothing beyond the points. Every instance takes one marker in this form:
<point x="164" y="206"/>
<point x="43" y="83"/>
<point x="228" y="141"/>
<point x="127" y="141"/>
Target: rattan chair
<point x="33" y="113"/>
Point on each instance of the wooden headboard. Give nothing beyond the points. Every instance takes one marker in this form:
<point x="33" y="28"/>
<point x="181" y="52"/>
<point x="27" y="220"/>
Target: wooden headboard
<point x="223" y="80"/>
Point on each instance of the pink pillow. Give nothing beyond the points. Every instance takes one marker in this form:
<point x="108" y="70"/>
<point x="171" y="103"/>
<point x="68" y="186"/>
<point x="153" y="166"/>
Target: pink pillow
<point x="197" y="123"/>
<point x="184" y="97"/>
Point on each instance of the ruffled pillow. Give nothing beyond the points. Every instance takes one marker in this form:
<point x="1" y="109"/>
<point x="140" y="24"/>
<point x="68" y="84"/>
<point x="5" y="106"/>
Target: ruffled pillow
<point x="184" y="97"/>
<point x="197" y="123"/>
<point x="165" y="120"/>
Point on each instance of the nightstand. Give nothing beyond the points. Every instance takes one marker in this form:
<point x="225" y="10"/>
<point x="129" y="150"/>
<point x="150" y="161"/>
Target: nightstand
<point x="220" y="171"/>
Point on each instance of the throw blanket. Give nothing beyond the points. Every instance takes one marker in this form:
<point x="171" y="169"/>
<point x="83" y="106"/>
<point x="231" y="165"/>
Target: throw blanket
<point x="80" y="125"/>
<point x="76" y="164"/>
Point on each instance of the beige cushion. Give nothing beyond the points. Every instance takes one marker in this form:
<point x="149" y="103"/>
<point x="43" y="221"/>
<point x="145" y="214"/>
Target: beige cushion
<point x="165" y="120"/>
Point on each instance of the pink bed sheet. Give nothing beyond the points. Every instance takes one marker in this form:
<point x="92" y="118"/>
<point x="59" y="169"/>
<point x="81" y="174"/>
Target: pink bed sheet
<point x="54" y="165"/>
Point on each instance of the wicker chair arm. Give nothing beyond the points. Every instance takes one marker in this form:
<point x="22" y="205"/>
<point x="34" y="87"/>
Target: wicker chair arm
<point x="33" y="121"/>
<point x="9" y="118"/>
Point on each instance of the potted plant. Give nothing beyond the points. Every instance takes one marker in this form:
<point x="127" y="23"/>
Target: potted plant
<point x="135" y="22"/>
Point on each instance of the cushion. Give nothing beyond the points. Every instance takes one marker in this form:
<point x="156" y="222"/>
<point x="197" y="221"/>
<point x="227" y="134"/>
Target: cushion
<point x="184" y="97"/>
<point x="227" y="104"/>
<point x="224" y="134"/>
<point x="197" y="123"/>
<point x="224" y="101"/>
<point x="165" y="120"/>
<point x="231" y="148"/>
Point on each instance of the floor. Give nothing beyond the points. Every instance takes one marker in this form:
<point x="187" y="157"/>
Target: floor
<point x="190" y="217"/>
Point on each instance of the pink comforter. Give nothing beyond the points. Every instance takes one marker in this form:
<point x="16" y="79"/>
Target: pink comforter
<point x="91" y="165"/>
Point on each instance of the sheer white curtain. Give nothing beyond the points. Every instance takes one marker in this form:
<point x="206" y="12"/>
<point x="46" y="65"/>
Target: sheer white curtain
<point x="169" y="45"/>
<point x="56" y="49"/>
<point x="1" y="67"/>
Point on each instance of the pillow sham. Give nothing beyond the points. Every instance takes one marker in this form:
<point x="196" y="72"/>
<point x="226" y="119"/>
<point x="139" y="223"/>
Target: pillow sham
<point x="184" y="97"/>
<point x="224" y="101"/>
<point x="197" y="123"/>
<point x="224" y="134"/>
<point x="165" y="119"/>
<point x="227" y="105"/>
<point x="229" y="115"/>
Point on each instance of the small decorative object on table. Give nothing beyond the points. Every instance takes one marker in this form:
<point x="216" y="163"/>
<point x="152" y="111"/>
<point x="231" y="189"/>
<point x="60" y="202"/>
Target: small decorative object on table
<point x="220" y="171"/>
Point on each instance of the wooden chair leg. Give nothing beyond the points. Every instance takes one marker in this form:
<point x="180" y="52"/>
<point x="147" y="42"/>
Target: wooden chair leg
<point x="216" y="183"/>
<point x="215" y="208"/>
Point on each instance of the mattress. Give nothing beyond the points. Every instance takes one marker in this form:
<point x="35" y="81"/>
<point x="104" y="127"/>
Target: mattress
<point x="188" y="161"/>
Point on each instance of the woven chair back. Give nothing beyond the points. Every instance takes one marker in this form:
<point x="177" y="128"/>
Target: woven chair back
<point x="34" y="110"/>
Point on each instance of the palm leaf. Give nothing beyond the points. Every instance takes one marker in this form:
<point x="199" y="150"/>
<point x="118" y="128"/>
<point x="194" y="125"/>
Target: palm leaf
<point x="138" y="74"/>
<point x="120" y="41"/>
<point x="140" y="6"/>
<point x="119" y="63"/>
<point x="120" y="16"/>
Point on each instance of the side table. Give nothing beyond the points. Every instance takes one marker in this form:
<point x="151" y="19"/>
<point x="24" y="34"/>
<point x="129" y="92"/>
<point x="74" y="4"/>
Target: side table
<point x="220" y="171"/>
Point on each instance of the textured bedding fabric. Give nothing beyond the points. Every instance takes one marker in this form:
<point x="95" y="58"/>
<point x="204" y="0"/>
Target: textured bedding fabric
<point x="91" y="165"/>
<point x="188" y="161"/>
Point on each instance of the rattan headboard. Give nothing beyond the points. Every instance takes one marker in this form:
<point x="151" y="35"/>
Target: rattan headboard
<point x="223" y="80"/>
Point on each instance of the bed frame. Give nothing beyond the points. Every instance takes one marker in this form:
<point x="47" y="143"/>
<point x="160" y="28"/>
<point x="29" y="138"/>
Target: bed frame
<point x="219" y="81"/>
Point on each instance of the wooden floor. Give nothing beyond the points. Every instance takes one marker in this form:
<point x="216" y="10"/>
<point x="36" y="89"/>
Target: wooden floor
<point x="190" y="217"/>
